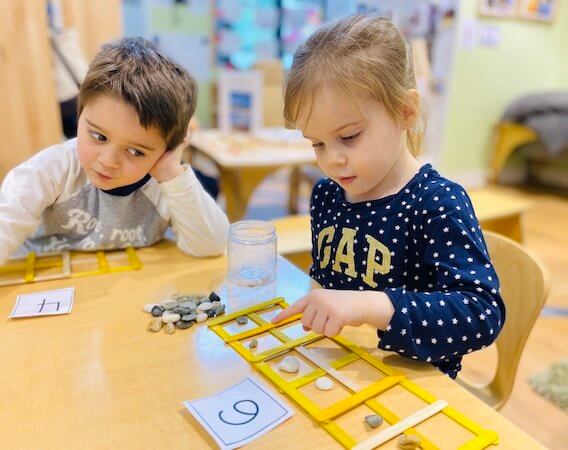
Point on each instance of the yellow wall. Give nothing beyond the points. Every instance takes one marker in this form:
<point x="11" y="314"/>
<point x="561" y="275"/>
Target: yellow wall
<point x="531" y="56"/>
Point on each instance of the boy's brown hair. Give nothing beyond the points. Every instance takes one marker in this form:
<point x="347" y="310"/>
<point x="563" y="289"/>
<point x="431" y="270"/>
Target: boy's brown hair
<point x="162" y="92"/>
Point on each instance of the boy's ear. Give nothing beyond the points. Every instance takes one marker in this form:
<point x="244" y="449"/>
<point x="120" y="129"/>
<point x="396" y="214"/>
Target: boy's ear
<point x="411" y="109"/>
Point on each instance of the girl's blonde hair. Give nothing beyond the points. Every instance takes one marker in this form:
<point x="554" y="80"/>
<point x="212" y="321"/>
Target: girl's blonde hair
<point x="358" y="56"/>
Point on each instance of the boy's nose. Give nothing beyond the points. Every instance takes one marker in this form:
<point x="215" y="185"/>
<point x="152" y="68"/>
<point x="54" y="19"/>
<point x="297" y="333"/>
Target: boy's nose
<point x="109" y="157"/>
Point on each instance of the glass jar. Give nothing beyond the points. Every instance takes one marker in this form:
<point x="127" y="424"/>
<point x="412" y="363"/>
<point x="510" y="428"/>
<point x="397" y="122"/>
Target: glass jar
<point x="252" y="253"/>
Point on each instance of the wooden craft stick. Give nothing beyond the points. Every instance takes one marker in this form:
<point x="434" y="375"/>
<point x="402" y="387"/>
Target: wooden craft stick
<point x="403" y="425"/>
<point x="66" y="258"/>
<point x="310" y="355"/>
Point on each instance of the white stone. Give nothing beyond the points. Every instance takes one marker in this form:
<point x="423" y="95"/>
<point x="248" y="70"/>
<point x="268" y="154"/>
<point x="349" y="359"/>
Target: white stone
<point x="289" y="364"/>
<point x="324" y="384"/>
<point x="205" y="306"/>
<point x="201" y="317"/>
<point x="149" y="306"/>
<point x="170" y="317"/>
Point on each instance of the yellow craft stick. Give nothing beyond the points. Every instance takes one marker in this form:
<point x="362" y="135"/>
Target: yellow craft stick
<point x="403" y="425"/>
<point x="133" y="258"/>
<point x="103" y="264"/>
<point x="30" y="262"/>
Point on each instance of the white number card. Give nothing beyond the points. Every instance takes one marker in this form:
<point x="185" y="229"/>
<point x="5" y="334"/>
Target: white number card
<point x="48" y="303"/>
<point x="239" y="414"/>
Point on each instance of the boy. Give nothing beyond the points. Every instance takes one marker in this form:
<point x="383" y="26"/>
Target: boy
<point x="120" y="182"/>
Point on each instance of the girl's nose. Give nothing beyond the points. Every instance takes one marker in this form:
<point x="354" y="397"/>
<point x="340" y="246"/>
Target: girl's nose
<point x="337" y="158"/>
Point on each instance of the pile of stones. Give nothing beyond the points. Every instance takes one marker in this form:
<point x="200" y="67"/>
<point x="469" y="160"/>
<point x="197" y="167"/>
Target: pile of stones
<point x="182" y="311"/>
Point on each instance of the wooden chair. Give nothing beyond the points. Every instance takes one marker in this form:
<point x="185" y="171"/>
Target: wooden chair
<point x="508" y="137"/>
<point x="524" y="286"/>
<point x="294" y="240"/>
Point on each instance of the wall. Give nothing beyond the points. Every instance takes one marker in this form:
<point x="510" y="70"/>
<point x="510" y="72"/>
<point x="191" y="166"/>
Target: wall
<point x="29" y="110"/>
<point x="531" y="56"/>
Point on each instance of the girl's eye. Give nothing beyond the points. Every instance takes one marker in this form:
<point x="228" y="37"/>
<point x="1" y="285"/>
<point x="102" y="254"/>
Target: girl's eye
<point x="317" y="145"/>
<point x="98" y="136"/>
<point x="135" y="152"/>
<point x="351" y="138"/>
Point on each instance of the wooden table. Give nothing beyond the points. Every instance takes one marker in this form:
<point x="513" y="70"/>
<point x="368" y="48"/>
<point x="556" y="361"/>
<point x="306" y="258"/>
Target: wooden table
<point x="500" y="212"/>
<point x="96" y="379"/>
<point x="244" y="160"/>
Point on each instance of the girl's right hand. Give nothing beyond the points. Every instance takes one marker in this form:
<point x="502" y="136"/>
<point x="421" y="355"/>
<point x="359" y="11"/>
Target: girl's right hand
<point x="327" y="311"/>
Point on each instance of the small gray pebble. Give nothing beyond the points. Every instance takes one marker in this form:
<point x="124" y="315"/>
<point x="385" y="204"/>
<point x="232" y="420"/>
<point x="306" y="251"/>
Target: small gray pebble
<point x="189" y="317"/>
<point x="374" y="420"/>
<point x="213" y="297"/>
<point x="242" y="320"/>
<point x="253" y="343"/>
<point x="171" y="305"/>
<point x="205" y="306"/>
<point x="201" y="317"/>
<point x="157" y="311"/>
<point x="181" y="310"/>
<point x="189" y="304"/>
<point x="210" y="312"/>
<point x="215" y="304"/>
<point x="183" y="324"/>
<point x="199" y="299"/>
<point x="220" y="310"/>
<point x="170" y="317"/>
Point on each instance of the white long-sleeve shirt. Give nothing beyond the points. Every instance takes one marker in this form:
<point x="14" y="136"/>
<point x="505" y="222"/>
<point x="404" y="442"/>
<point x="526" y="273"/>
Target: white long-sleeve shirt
<point x="47" y="204"/>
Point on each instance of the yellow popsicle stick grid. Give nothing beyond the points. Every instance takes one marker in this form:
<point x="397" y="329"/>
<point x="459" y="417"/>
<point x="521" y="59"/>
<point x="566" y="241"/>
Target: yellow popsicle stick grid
<point x="32" y="263"/>
<point x="325" y="416"/>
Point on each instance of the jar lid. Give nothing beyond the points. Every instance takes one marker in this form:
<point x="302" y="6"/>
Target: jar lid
<point x="252" y="232"/>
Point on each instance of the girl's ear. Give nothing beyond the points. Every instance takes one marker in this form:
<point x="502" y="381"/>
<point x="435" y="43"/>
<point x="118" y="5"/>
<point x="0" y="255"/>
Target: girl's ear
<point x="411" y="109"/>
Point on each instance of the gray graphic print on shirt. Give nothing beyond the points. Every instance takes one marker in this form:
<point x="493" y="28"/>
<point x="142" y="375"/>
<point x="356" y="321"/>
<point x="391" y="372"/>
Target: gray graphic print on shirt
<point x="95" y="220"/>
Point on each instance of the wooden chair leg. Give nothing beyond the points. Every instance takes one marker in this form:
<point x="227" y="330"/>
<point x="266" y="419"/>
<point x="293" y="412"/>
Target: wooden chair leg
<point x="294" y="190"/>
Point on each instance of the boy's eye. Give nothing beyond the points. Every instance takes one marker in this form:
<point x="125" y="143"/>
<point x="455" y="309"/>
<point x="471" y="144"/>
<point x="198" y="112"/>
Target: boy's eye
<point x="135" y="152"/>
<point x="351" y="138"/>
<point x="98" y="136"/>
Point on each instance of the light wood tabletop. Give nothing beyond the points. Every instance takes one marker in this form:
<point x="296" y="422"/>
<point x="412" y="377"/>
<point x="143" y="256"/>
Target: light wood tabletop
<point x="244" y="160"/>
<point x="96" y="379"/>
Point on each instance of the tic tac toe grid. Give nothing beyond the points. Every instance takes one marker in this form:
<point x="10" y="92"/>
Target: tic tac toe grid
<point x="359" y="396"/>
<point x="25" y="270"/>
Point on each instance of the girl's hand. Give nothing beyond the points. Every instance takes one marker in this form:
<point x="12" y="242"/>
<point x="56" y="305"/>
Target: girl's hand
<point x="327" y="311"/>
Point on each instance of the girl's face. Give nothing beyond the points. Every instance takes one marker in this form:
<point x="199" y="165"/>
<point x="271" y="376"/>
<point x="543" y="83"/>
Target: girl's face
<point x="113" y="148"/>
<point x="358" y="145"/>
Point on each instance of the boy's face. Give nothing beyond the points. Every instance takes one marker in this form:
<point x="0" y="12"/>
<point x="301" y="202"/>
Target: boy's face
<point x="357" y="143"/>
<point x="113" y="148"/>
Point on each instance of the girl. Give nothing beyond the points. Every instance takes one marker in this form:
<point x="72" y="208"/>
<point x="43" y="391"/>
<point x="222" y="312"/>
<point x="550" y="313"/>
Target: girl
<point x="394" y="244"/>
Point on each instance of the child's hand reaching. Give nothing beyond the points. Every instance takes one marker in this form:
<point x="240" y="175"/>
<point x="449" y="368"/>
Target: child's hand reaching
<point x="327" y="311"/>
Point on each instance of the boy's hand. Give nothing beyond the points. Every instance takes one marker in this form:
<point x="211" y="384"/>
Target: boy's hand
<point x="169" y="165"/>
<point x="327" y="311"/>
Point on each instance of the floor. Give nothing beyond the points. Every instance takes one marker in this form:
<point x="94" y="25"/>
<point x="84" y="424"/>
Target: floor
<point x="546" y="235"/>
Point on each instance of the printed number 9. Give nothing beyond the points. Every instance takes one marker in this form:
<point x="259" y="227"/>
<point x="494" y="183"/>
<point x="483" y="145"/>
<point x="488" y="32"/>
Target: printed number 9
<point x="245" y="413"/>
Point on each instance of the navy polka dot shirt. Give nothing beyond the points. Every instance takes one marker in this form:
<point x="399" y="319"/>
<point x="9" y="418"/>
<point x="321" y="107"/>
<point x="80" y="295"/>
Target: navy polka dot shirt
<point x="424" y="248"/>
